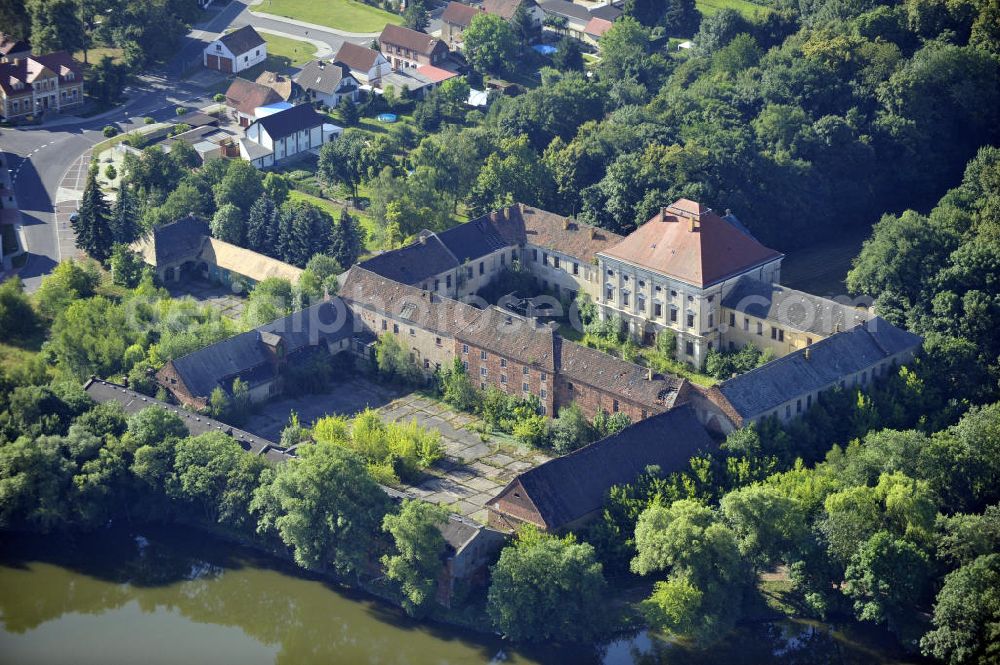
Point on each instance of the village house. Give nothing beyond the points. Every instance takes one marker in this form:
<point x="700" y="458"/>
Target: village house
<point x="328" y="83"/>
<point x="408" y="49"/>
<point x="455" y="20"/>
<point x="37" y="84"/>
<point x="368" y="66"/>
<point x="281" y="84"/>
<point x="675" y="270"/>
<point x="567" y="492"/>
<point x="244" y="97"/>
<point x="506" y="9"/>
<point x="185" y="248"/>
<point x="285" y="134"/>
<point x="236" y="51"/>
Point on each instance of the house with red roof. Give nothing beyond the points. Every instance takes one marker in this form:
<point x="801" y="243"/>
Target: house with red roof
<point x="455" y="20"/>
<point x="675" y="270"/>
<point x="36" y="84"/>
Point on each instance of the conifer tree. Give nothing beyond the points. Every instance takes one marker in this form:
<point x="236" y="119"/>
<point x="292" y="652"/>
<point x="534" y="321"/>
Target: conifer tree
<point x="92" y="225"/>
<point x="125" y="218"/>
<point x="346" y="241"/>
<point x="262" y="224"/>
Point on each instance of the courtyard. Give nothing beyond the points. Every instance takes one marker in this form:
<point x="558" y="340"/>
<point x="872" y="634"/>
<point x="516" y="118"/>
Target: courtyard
<point x="474" y="468"/>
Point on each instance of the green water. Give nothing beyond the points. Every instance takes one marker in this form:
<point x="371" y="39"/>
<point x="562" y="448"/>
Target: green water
<point x="169" y="595"/>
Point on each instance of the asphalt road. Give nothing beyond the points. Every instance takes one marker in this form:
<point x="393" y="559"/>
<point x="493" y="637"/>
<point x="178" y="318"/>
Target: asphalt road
<point x="42" y="156"/>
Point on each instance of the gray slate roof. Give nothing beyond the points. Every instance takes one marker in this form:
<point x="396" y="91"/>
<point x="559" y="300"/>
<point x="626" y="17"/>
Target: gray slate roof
<point x="133" y="402"/>
<point x="570" y="487"/>
<point x="178" y="240"/>
<point x="323" y="76"/>
<point x="565" y="8"/>
<point x="793" y="309"/>
<point x="242" y="40"/>
<point x="289" y="121"/>
<point x="817" y="367"/>
<point x="414" y="263"/>
<point x="246" y="356"/>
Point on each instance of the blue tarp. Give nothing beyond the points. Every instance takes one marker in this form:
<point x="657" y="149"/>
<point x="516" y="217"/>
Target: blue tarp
<point x="544" y="49"/>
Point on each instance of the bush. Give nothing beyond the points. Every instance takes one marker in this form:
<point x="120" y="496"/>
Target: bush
<point x="148" y="120"/>
<point x="180" y="110"/>
<point x="110" y="172"/>
<point x="533" y="431"/>
<point x="219" y="97"/>
<point x="109" y="131"/>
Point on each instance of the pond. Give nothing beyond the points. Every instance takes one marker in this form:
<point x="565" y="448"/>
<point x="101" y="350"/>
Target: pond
<point x="169" y="595"/>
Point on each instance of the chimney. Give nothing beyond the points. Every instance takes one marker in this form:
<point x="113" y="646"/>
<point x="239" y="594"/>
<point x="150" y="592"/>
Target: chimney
<point x="649" y="373"/>
<point x="728" y="212"/>
<point x="593" y="233"/>
<point x="807" y="354"/>
<point x="566" y="223"/>
<point x="663" y="213"/>
<point x="692" y="224"/>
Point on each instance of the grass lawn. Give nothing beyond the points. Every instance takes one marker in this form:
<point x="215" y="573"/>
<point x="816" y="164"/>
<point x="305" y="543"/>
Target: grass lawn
<point x="709" y="7"/>
<point x="367" y="223"/>
<point x="348" y="15"/>
<point x="94" y="55"/>
<point x="283" y="52"/>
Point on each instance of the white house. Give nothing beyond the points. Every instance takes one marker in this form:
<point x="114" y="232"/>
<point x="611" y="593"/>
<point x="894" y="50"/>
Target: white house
<point x="278" y="136"/>
<point x="327" y="82"/>
<point x="238" y="50"/>
<point x="367" y="65"/>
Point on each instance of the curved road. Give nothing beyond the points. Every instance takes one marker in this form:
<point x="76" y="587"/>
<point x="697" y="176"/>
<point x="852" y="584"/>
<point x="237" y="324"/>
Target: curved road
<point x="42" y="156"/>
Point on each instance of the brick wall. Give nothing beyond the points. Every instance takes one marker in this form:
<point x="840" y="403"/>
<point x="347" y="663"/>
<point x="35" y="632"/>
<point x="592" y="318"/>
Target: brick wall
<point x="498" y="366"/>
<point x="592" y="400"/>
<point x="171" y="382"/>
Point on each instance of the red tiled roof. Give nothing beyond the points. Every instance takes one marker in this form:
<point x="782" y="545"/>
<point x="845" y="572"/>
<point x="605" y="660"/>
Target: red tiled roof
<point x="359" y="58"/>
<point x="458" y="14"/>
<point x="28" y="70"/>
<point x="692" y="243"/>
<point x="563" y="234"/>
<point x="505" y="9"/>
<point x="245" y="96"/>
<point x="398" y="35"/>
<point x="435" y="74"/>
<point x="597" y="27"/>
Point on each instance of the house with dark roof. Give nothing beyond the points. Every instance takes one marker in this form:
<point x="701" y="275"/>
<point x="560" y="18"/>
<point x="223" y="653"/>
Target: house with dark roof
<point x="259" y="357"/>
<point x="38" y="84"/>
<point x="367" y="65"/>
<point x="235" y="51"/>
<point x="282" y="135"/>
<point x="787" y="387"/>
<point x="185" y="248"/>
<point x="328" y="82"/>
<point x="408" y="49"/>
<point x="244" y="97"/>
<point x="567" y="492"/>
<point x="783" y="320"/>
<point x="12" y="48"/>
<point x="455" y="19"/>
<point x="674" y="271"/>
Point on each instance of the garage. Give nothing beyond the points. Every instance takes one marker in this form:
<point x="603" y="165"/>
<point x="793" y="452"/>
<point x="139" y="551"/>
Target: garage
<point x="221" y="63"/>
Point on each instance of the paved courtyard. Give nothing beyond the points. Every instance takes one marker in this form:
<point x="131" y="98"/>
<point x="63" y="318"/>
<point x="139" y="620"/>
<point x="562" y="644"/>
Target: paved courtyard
<point x="472" y="471"/>
<point x="219" y="296"/>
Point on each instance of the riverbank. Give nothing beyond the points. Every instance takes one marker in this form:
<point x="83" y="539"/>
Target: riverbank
<point x="167" y="594"/>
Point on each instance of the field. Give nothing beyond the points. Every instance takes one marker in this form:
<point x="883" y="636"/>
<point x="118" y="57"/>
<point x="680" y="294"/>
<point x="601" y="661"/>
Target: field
<point x="95" y="54"/>
<point x="709" y="7"/>
<point x="283" y="52"/>
<point x="347" y="15"/>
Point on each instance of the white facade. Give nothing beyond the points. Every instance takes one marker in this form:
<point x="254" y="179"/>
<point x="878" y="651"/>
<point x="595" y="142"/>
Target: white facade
<point x="648" y="301"/>
<point x="218" y="56"/>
